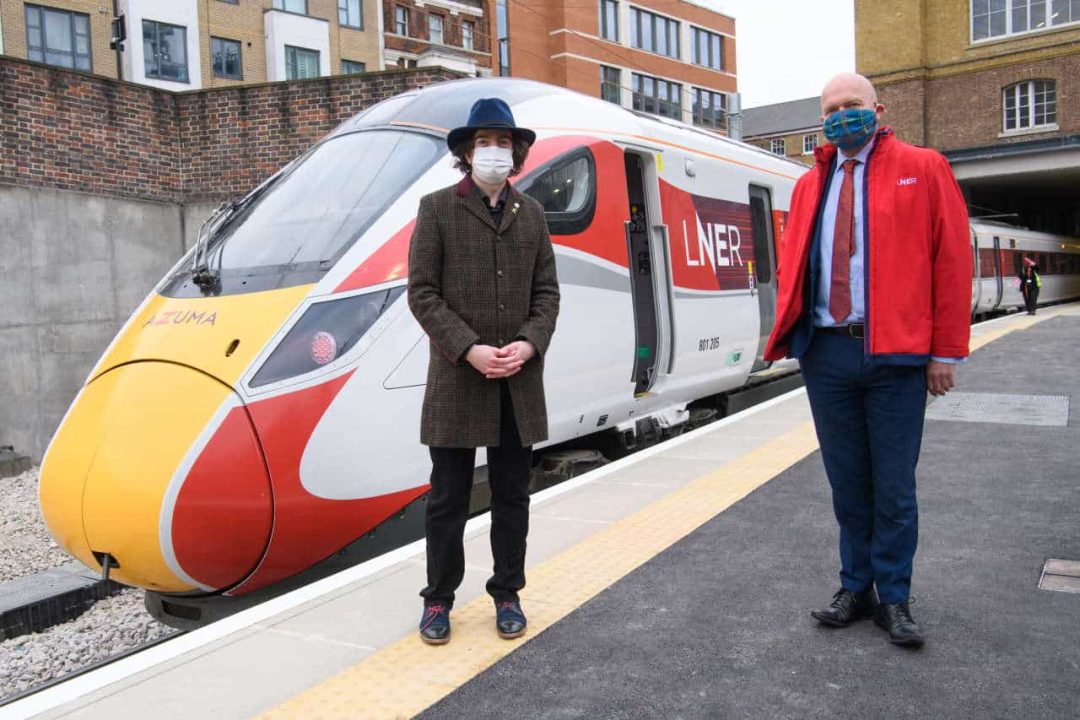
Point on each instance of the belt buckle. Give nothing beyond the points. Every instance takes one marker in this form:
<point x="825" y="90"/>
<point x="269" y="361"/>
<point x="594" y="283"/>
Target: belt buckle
<point x="857" y="331"/>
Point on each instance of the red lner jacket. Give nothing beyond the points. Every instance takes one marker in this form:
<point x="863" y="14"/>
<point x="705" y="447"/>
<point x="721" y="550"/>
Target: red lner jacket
<point x="919" y="264"/>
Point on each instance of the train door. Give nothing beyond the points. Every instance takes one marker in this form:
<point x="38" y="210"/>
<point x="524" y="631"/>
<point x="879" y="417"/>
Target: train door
<point x="763" y="277"/>
<point x="998" y="269"/>
<point x="648" y="264"/>
<point x="976" y="272"/>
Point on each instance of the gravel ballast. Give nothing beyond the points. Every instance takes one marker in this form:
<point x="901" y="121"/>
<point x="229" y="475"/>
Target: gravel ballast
<point x="25" y="545"/>
<point x="112" y="626"/>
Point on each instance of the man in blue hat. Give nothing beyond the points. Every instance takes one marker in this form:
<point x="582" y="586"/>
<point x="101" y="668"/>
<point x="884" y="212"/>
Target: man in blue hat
<point x="482" y="285"/>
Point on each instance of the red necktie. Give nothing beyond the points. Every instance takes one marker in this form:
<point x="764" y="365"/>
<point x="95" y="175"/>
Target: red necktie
<point x="843" y="247"/>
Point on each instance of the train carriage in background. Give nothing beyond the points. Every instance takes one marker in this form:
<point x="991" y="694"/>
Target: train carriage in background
<point x="256" y="422"/>
<point x="999" y="251"/>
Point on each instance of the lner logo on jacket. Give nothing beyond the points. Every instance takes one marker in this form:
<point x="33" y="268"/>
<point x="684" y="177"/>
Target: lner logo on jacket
<point x="918" y="249"/>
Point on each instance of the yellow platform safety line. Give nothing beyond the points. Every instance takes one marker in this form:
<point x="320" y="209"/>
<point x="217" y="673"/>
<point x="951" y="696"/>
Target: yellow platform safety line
<point x="409" y="676"/>
<point x="404" y="679"/>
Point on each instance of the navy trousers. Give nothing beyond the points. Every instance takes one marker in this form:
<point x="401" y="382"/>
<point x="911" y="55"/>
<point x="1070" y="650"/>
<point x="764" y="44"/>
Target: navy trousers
<point x="869" y="421"/>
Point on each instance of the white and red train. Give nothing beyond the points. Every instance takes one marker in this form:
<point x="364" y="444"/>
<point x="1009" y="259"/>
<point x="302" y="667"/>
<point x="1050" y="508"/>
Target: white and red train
<point x="259" y="413"/>
<point x="999" y="252"/>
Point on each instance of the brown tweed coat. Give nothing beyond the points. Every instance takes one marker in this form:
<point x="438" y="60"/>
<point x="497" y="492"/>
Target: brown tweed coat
<point x="471" y="282"/>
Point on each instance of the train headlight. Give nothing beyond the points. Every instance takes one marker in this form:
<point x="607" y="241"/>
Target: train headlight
<point x="325" y="332"/>
<point x="323" y="348"/>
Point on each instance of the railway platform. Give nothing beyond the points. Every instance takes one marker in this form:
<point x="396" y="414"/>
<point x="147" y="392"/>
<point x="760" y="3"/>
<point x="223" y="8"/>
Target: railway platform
<point x="677" y="583"/>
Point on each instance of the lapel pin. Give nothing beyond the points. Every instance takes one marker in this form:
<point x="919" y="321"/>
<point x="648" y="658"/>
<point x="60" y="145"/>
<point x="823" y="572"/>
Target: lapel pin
<point x="515" y="208"/>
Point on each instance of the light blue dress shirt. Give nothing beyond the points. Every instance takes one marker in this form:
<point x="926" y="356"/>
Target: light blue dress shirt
<point x="822" y="317"/>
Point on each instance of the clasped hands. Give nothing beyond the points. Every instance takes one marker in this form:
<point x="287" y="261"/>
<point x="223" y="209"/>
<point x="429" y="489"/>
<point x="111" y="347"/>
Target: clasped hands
<point x="496" y="363"/>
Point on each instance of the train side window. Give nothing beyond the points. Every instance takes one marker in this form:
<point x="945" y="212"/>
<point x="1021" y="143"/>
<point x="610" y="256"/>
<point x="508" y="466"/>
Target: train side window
<point x="566" y="187"/>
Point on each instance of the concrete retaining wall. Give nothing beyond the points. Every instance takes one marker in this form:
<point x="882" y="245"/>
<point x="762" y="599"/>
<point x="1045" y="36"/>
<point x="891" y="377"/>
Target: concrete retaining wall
<point x="73" y="267"/>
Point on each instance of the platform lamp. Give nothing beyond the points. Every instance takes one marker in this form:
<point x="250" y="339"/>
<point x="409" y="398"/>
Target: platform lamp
<point x="119" y="35"/>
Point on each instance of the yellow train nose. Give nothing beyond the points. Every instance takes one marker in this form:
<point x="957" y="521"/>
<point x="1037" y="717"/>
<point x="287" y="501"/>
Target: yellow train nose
<point x="110" y="481"/>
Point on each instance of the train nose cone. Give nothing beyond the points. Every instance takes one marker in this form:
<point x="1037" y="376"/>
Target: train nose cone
<point x="158" y="466"/>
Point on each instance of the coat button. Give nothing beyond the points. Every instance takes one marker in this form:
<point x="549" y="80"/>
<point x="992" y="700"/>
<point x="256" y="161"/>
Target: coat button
<point x="501" y="342"/>
<point x="501" y="306"/>
<point x="498" y="273"/>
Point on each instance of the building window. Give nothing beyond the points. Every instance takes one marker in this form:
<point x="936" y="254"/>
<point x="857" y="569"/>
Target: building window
<point x="609" y="20"/>
<point x="58" y="37"/>
<point x="778" y="146"/>
<point x="467" y="35"/>
<point x="1063" y="12"/>
<point x="710" y="109"/>
<point x="293" y="6"/>
<point x="434" y="28"/>
<point x="654" y="33"/>
<point x="401" y="20"/>
<point x="225" y="56"/>
<point x="503" y="33"/>
<point x="351" y="14"/>
<point x="352" y="67"/>
<point x="809" y="143"/>
<point x="660" y="97"/>
<point x="1000" y="18"/>
<point x="611" y="84"/>
<point x="1030" y="104"/>
<point x="301" y="63"/>
<point x="707" y="48"/>
<point x="165" y="51"/>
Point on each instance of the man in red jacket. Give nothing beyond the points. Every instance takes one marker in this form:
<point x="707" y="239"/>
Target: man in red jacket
<point x="874" y="300"/>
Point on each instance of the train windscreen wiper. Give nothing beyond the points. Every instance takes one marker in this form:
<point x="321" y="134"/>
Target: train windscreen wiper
<point x="201" y="272"/>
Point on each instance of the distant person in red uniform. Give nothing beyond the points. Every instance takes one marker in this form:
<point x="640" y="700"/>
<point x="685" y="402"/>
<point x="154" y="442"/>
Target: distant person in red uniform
<point x="874" y="300"/>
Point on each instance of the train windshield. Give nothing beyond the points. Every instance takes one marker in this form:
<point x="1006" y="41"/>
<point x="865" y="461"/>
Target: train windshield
<point x="298" y="227"/>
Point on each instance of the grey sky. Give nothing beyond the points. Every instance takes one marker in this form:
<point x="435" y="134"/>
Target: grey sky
<point x="787" y="49"/>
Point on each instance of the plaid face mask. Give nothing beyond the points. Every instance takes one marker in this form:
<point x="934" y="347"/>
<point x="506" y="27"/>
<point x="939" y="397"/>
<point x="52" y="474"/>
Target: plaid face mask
<point x="850" y="129"/>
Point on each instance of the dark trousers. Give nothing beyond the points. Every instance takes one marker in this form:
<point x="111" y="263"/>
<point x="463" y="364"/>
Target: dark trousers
<point x="509" y="467"/>
<point x="1031" y="299"/>
<point x="869" y="421"/>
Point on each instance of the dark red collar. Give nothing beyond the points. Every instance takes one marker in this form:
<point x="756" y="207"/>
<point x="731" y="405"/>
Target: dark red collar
<point x="467" y="185"/>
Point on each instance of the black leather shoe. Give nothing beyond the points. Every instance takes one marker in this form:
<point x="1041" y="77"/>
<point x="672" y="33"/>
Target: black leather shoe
<point x="896" y="619"/>
<point x="846" y="608"/>
<point x="510" y="621"/>
<point x="435" y="624"/>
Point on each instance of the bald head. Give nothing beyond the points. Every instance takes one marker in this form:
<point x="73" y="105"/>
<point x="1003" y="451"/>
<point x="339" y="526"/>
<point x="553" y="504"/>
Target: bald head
<point x="847" y="90"/>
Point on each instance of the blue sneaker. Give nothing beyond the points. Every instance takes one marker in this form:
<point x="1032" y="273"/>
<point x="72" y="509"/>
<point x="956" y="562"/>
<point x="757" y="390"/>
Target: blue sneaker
<point x="510" y="621"/>
<point x="435" y="624"/>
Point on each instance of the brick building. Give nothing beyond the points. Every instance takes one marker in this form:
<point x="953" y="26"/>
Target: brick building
<point x="455" y="34"/>
<point x="192" y="44"/>
<point x="995" y="85"/>
<point x="789" y="129"/>
<point x="669" y="57"/>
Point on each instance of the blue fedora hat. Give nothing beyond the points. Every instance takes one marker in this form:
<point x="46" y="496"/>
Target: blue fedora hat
<point x="489" y="113"/>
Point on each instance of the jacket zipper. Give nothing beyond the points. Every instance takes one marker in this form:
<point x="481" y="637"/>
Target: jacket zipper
<point x="866" y="246"/>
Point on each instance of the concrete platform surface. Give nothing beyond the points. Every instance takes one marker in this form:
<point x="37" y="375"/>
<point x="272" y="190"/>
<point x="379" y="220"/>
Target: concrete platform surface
<point x="718" y="625"/>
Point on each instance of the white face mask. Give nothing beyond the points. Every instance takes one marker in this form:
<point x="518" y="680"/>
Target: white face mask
<point x="491" y="164"/>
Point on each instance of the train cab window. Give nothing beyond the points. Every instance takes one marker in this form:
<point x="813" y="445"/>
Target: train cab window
<point x="298" y="227"/>
<point x="566" y="187"/>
